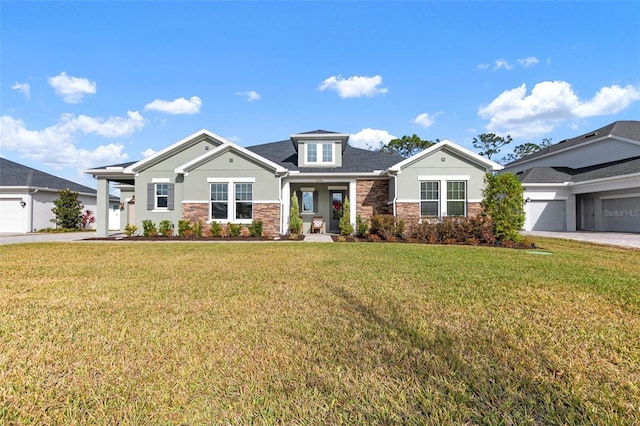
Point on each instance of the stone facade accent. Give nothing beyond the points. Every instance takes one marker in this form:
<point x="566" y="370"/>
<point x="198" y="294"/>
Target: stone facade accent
<point x="408" y="210"/>
<point x="268" y="213"/>
<point x="474" y="209"/>
<point x="372" y="197"/>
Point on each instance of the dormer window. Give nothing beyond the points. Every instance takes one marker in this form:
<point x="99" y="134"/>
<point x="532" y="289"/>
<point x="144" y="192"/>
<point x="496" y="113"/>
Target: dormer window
<point x="320" y="153"/>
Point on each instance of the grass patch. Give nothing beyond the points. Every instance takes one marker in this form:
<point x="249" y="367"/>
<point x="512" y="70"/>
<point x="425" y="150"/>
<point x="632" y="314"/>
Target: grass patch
<point x="194" y="333"/>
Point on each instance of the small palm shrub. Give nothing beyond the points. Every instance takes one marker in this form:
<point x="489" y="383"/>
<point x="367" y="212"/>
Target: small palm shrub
<point x="166" y="228"/>
<point x="149" y="228"/>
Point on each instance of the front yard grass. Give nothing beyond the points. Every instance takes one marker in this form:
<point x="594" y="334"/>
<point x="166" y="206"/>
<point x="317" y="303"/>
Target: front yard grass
<point x="290" y="333"/>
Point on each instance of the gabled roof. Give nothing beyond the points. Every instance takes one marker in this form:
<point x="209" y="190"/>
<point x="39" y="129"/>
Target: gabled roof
<point x="320" y="135"/>
<point x="190" y="165"/>
<point x="618" y="168"/>
<point x="16" y="175"/>
<point x="167" y="152"/>
<point x="447" y="144"/>
<point x="354" y="160"/>
<point x="622" y="130"/>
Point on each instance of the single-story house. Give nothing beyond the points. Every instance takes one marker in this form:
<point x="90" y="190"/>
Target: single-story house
<point x="27" y="196"/>
<point x="590" y="182"/>
<point x="207" y="177"/>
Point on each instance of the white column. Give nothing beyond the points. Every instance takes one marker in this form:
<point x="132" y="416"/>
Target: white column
<point x="286" y="206"/>
<point x="353" y="200"/>
<point x="102" y="208"/>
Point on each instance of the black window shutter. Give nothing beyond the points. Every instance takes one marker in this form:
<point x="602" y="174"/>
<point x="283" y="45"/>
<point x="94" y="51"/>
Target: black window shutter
<point x="150" y="196"/>
<point x="171" y="191"/>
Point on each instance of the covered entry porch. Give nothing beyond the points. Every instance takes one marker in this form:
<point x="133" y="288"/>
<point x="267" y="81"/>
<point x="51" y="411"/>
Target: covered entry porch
<point x="322" y="198"/>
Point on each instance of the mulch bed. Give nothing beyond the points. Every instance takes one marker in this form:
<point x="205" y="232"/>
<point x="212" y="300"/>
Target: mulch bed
<point x="194" y="238"/>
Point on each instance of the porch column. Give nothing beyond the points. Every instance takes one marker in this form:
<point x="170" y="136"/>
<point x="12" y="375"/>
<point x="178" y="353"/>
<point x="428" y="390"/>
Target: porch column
<point x="353" y="201"/>
<point x="102" y="208"/>
<point x="286" y="206"/>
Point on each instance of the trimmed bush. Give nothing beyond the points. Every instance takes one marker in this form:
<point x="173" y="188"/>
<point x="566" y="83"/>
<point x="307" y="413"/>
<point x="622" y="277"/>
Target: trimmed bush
<point x="346" y="228"/>
<point x="149" y="228"/>
<point x="255" y="229"/>
<point x="295" y="222"/>
<point x="166" y="228"/>
<point x="215" y="229"/>
<point x="235" y="229"/>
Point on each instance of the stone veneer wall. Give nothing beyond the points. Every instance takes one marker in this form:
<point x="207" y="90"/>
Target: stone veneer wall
<point x="268" y="213"/>
<point x="372" y="197"/>
<point x="412" y="210"/>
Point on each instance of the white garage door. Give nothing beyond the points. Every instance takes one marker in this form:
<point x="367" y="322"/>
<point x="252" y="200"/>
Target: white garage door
<point x="13" y="217"/>
<point x="545" y="216"/>
<point x="621" y="214"/>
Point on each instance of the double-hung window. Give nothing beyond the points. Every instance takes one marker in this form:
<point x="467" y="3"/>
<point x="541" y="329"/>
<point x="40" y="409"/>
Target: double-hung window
<point x="220" y="201"/>
<point x="456" y="198"/>
<point x="320" y="153"/>
<point x="161" y="196"/>
<point x="244" y="201"/>
<point x="430" y="198"/>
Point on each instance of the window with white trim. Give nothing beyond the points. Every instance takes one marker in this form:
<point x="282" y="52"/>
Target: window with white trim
<point x="456" y="198"/>
<point x="244" y="201"/>
<point x="220" y="201"/>
<point x="430" y="198"/>
<point x="161" y="196"/>
<point x="320" y="153"/>
<point x="307" y="201"/>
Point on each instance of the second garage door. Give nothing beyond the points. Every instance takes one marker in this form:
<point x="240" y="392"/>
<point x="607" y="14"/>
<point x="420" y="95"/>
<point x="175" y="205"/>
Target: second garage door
<point x="545" y="216"/>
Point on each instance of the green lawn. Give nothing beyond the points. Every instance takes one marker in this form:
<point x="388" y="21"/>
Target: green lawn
<point x="299" y="333"/>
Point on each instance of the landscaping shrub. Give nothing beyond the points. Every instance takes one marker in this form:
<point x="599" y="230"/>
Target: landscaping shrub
<point x="184" y="228"/>
<point x="255" y="229"/>
<point x="361" y="226"/>
<point x="387" y="227"/>
<point x="149" y="228"/>
<point x="166" y="228"/>
<point x="346" y="228"/>
<point x="454" y="230"/>
<point x="235" y="229"/>
<point x="295" y="222"/>
<point x="197" y="228"/>
<point x="87" y="218"/>
<point x="215" y="229"/>
<point x="130" y="230"/>
<point x="503" y="202"/>
<point x="67" y="210"/>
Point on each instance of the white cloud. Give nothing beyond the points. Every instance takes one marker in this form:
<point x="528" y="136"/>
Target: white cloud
<point x="234" y="139"/>
<point x="177" y="106"/>
<point x="502" y="63"/>
<point x="548" y="104"/>
<point x="528" y="61"/>
<point x="148" y="152"/>
<point x="251" y="95"/>
<point x="425" y="120"/>
<point x="24" y="88"/>
<point x="112" y="127"/>
<point x="354" y="87"/>
<point x="483" y="66"/>
<point x="53" y="146"/>
<point x="72" y="89"/>
<point x="370" y="138"/>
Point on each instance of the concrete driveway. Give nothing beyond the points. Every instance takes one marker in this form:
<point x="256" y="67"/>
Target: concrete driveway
<point x="611" y="238"/>
<point x="35" y="237"/>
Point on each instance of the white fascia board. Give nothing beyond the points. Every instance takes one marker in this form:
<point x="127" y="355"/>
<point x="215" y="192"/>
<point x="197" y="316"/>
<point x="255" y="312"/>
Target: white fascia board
<point x="339" y="175"/>
<point x="225" y="147"/>
<point x="491" y="165"/>
<point x="609" y="179"/>
<point x="319" y="136"/>
<point x="166" y="152"/>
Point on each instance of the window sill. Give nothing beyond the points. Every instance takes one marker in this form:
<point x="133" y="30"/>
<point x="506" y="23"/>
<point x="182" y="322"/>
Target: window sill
<point x="161" y="211"/>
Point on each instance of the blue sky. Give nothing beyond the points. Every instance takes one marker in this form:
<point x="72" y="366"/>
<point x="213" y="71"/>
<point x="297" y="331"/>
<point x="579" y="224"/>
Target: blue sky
<point x="86" y="84"/>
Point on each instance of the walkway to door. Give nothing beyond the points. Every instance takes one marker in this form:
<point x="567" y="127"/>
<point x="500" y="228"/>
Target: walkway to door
<point x="317" y="238"/>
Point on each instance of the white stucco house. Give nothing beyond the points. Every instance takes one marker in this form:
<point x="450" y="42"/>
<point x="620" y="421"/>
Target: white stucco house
<point x="27" y="196"/>
<point x="590" y="182"/>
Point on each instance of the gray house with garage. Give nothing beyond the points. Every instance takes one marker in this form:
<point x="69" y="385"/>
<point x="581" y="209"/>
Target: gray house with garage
<point x="209" y="178"/>
<point x="590" y="182"/>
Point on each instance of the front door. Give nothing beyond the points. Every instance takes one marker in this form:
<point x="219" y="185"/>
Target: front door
<point x="337" y="204"/>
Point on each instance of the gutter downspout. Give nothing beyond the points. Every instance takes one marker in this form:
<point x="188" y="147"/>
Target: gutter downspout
<point x="395" y="191"/>
<point x="31" y="210"/>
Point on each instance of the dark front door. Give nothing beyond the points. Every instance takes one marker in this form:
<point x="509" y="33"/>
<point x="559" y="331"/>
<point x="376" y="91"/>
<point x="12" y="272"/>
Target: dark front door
<point x="588" y="214"/>
<point x="337" y="204"/>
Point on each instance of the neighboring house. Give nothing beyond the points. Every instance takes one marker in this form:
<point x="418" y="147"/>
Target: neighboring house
<point x="590" y="182"/>
<point x="206" y="177"/>
<point x="27" y="196"/>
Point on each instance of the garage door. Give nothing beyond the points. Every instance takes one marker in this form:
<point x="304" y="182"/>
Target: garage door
<point x="621" y="214"/>
<point x="13" y="217"/>
<point x="545" y="216"/>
